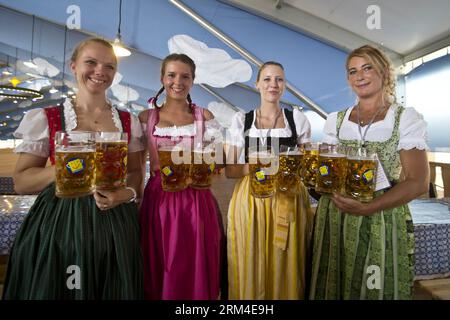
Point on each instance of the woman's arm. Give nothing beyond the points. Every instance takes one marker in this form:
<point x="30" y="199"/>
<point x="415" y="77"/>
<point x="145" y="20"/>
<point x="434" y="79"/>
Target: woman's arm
<point x="417" y="179"/>
<point x="31" y="174"/>
<point x="107" y="199"/>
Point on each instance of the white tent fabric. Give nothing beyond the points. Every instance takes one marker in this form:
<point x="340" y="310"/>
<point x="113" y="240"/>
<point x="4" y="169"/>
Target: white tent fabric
<point x="124" y="93"/>
<point x="222" y="113"/>
<point x="214" y="66"/>
<point x="45" y="68"/>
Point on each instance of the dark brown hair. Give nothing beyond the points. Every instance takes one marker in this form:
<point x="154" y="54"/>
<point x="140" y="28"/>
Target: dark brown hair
<point x="175" y="57"/>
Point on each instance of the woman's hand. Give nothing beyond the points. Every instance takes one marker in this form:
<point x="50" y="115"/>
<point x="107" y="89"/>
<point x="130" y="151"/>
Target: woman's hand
<point x="351" y="206"/>
<point x="108" y="199"/>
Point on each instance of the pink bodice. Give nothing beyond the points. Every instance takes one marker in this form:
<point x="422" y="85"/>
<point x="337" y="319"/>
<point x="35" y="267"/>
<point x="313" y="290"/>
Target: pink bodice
<point x="152" y="121"/>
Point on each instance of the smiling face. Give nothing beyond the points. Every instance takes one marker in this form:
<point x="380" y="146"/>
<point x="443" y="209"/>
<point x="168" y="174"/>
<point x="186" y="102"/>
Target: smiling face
<point x="94" y="68"/>
<point x="271" y="83"/>
<point x="363" y="77"/>
<point x="177" y="80"/>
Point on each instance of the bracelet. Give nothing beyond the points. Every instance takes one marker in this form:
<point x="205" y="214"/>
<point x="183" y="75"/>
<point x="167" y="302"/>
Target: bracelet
<point x="133" y="199"/>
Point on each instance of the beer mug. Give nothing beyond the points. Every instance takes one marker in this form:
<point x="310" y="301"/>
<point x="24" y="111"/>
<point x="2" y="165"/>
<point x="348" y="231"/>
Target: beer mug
<point x="75" y="163"/>
<point x="203" y="166"/>
<point x="263" y="168"/>
<point x="175" y="162"/>
<point x="290" y="159"/>
<point x="111" y="160"/>
<point x="361" y="174"/>
<point x="331" y="169"/>
<point x="309" y="164"/>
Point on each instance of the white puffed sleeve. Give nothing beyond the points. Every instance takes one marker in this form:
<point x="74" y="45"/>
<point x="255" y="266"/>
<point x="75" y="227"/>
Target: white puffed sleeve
<point x="413" y="131"/>
<point x="302" y="126"/>
<point x="33" y="129"/>
<point x="329" y="129"/>
<point x="235" y="136"/>
<point x="214" y="131"/>
<point x="136" y="142"/>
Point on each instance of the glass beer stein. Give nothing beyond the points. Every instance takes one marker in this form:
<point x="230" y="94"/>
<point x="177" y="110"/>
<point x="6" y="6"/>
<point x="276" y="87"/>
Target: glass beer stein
<point x="331" y="169"/>
<point x="361" y="174"/>
<point x="309" y="164"/>
<point x="203" y="166"/>
<point x="263" y="168"/>
<point x="111" y="160"/>
<point x="175" y="163"/>
<point x="75" y="163"/>
<point x="289" y="170"/>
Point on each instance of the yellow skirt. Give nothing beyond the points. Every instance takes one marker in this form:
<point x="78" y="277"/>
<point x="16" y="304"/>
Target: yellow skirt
<point x="268" y="242"/>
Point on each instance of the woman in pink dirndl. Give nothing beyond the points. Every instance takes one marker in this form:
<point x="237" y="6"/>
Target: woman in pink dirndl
<point x="181" y="232"/>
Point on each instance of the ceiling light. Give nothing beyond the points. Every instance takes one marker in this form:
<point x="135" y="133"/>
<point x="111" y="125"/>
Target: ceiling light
<point x="30" y="63"/>
<point x="119" y="49"/>
<point x="53" y="90"/>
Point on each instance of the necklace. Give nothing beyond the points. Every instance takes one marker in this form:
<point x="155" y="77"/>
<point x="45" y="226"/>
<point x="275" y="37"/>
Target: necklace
<point x="97" y="118"/>
<point x="361" y="123"/>
<point x="258" y="121"/>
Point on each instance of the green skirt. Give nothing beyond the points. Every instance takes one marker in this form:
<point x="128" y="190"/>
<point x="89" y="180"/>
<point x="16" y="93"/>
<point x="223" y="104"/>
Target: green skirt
<point x="356" y="257"/>
<point x="69" y="249"/>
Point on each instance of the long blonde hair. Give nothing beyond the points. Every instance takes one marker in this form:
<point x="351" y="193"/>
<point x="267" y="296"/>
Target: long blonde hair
<point x="382" y="65"/>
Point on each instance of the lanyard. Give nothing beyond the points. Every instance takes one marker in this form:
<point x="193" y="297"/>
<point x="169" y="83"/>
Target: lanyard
<point x="363" y="136"/>
<point x="258" y="121"/>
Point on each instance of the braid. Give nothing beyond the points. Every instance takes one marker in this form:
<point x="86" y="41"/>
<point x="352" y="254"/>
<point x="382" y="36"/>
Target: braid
<point x="155" y="104"/>
<point x="189" y="100"/>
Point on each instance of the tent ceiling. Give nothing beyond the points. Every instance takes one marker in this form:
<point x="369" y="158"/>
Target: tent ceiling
<point x="409" y="28"/>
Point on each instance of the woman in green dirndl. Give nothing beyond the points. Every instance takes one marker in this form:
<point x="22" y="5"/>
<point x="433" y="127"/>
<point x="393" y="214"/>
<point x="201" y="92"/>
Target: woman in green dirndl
<point x="85" y="247"/>
<point x="366" y="250"/>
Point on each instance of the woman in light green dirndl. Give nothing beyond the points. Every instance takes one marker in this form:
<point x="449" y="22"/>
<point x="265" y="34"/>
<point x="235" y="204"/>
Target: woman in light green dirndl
<point x="366" y="250"/>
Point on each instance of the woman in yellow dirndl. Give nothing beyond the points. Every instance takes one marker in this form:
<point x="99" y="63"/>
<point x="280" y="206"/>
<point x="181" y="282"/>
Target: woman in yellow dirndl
<point x="267" y="238"/>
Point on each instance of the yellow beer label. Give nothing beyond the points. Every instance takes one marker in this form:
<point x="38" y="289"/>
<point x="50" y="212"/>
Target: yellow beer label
<point x="75" y="165"/>
<point x="260" y="175"/>
<point x="324" y="170"/>
<point x="212" y="166"/>
<point x="368" y="176"/>
<point x="167" y="171"/>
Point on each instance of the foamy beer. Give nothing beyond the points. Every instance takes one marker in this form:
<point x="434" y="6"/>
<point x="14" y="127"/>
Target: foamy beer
<point x="263" y="167"/>
<point x="331" y="169"/>
<point x="202" y="167"/>
<point x="174" y="161"/>
<point x="309" y="164"/>
<point x="111" y="160"/>
<point x="361" y="174"/>
<point x="289" y="170"/>
<point x="75" y="163"/>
